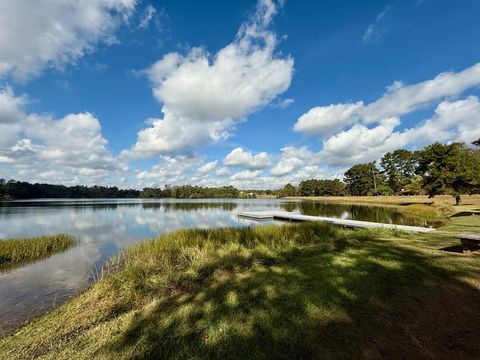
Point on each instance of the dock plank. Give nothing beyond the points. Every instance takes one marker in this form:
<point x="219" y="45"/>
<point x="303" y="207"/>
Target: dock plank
<point x="288" y="216"/>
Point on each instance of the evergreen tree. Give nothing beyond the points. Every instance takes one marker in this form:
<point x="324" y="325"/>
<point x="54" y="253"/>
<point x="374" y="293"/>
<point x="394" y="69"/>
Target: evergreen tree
<point x="363" y="178"/>
<point x="453" y="169"/>
<point x="399" y="169"/>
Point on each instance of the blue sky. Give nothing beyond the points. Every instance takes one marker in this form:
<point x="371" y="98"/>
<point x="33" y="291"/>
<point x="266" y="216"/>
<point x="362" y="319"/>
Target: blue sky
<point x="253" y="93"/>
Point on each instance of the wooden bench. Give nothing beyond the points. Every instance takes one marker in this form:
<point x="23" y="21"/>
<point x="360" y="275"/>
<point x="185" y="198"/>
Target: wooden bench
<point x="470" y="242"/>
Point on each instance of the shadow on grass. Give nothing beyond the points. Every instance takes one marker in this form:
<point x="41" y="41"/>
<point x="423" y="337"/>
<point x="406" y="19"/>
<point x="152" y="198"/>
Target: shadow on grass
<point x="474" y="249"/>
<point x="467" y="213"/>
<point x="369" y="300"/>
<point x="406" y="203"/>
<point x="454" y="249"/>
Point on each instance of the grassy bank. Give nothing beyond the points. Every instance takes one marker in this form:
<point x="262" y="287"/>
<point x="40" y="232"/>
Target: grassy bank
<point x="16" y="252"/>
<point x="295" y="291"/>
<point x="394" y="200"/>
<point x="435" y="210"/>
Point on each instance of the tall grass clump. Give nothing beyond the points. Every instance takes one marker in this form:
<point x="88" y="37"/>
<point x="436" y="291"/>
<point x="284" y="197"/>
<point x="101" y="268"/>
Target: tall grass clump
<point x="436" y="213"/>
<point x="16" y="252"/>
<point x="175" y="261"/>
<point x="198" y="248"/>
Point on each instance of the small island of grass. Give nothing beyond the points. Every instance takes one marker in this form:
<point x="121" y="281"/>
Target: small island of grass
<point x="17" y="252"/>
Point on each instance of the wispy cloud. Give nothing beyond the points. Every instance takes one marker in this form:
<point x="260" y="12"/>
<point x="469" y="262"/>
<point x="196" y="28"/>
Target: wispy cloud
<point x="147" y="17"/>
<point x="374" y="31"/>
<point x="282" y="103"/>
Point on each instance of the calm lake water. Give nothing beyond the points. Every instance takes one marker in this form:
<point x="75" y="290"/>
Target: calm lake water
<point x="104" y="227"/>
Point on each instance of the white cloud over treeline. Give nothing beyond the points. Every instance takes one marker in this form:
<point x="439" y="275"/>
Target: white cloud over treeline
<point x="358" y="132"/>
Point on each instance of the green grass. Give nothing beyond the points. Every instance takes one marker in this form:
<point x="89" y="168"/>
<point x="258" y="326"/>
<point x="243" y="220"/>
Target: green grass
<point x="16" y="252"/>
<point x="295" y="291"/>
<point x="470" y="222"/>
<point x="433" y="214"/>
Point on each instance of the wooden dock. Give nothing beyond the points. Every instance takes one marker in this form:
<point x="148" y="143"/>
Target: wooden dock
<point x="288" y="216"/>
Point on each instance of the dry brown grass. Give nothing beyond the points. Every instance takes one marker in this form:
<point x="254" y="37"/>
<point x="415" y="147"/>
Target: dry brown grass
<point x="394" y="200"/>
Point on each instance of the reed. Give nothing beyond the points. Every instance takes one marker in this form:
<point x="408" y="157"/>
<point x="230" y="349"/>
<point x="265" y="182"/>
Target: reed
<point x="16" y="252"/>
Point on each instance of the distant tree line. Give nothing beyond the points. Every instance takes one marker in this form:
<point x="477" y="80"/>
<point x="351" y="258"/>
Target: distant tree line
<point x="191" y="192"/>
<point x="315" y="187"/>
<point x="437" y="169"/>
<point x="23" y="190"/>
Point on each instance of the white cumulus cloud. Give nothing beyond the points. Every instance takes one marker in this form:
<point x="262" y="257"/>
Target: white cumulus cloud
<point x="39" y="34"/>
<point x="286" y="166"/>
<point x="170" y="170"/>
<point x="402" y="99"/>
<point x="242" y="158"/>
<point x="207" y="168"/>
<point x="40" y="148"/>
<point x="325" y="120"/>
<point x="223" y="171"/>
<point x="360" y="143"/>
<point x="11" y="114"/>
<point x="292" y="158"/>
<point x="245" y="175"/>
<point x="452" y="121"/>
<point x="205" y="96"/>
<point x="354" y="132"/>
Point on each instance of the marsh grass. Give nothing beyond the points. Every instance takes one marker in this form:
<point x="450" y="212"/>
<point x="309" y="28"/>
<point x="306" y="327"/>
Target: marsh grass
<point x="17" y="252"/>
<point x="177" y="259"/>
<point x="306" y="290"/>
<point x="435" y="213"/>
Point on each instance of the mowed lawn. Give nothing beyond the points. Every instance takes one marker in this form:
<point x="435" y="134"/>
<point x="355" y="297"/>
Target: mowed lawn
<point x="281" y="292"/>
<point x="394" y="199"/>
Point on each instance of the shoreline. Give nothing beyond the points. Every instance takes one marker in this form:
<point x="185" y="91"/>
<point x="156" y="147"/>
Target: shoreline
<point x="396" y="200"/>
<point x="155" y="275"/>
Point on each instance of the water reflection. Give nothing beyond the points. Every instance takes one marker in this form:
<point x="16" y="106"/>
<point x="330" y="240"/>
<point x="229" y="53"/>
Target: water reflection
<point x="106" y="226"/>
<point x="364" y="213"/>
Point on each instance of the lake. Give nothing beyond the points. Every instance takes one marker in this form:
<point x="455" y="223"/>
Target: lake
<point x="105" y="226"/>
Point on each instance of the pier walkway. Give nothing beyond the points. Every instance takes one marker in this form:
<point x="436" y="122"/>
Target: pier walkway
<point x="289" y="216"/>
